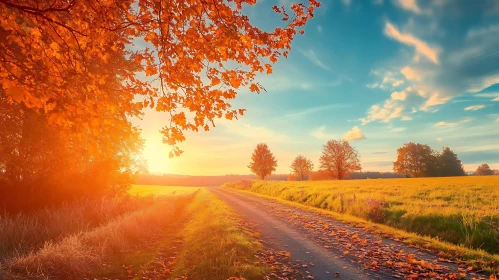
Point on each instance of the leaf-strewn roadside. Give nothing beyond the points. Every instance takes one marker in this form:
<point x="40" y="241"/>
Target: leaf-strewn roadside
<point x="478" y="260"/>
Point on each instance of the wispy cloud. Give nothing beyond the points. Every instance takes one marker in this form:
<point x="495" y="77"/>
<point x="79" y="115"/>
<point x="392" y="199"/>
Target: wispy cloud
<point x="354" y="134"/>
<point x="319" y="28"/>
<point x="489" y="94"/>
<point x="409" y="5"/>
<point x="385" y="113"/>
<point x="453" y="123"/>
<point x="389" y="79"/>
<point x="377" y="2"/>
<point x="312" y="56"/>
<point x="421" y="47"/>
<point x="474" y="107"/>
<point x="399" y="95"/>
<point x="439" y="139"/>
<point x="411" y="74"/>
<point x="252" y="132"/>
<point x="312" y="110"/>
<point x="495" y="99"/>
<point x="321" y="133"/>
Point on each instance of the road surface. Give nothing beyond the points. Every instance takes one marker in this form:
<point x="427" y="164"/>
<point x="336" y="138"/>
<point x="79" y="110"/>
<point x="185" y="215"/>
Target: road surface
<point x="329" y="249"/>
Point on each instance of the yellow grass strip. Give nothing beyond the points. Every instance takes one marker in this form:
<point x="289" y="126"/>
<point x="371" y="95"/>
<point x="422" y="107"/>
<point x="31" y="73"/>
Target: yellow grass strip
<point x="217" y="245"/>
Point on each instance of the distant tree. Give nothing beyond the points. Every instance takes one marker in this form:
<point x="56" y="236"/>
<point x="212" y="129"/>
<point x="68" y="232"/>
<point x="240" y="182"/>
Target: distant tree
<point x="416" y="160"/>
<point x="263" y="162"/>
<point x="301" y="167"/>
<point x="449" y="164"/>
<point x="319" y="175"/>
<point x="484" y="170"/>
<point x="292" y="177"/>
<point x="339" y="159"/>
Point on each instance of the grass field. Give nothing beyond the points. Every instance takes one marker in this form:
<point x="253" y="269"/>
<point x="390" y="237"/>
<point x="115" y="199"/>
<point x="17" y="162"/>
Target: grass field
<point x="459" y="210"/>
<point x="146" y="190"/>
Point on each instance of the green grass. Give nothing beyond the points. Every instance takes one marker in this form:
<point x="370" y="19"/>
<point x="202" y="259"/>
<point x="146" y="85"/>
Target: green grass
<point x="217" y="243"/>
<point x="147" y="190"/>
<point x="460" y="210"/>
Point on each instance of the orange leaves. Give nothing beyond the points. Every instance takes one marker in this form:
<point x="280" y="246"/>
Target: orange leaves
<point x="179" y="119"/>
<point x="86" y="55"/>
<point x="269" y="68"/>
<point x="151" y="70"/>
<point x="151" y="37"/>
<point x="16" y="92"/>
<point x="254" y="88"/>
<point x="215" y="81"/>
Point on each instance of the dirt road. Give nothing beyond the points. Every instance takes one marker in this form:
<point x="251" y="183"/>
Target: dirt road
<point x="329" y="249"/>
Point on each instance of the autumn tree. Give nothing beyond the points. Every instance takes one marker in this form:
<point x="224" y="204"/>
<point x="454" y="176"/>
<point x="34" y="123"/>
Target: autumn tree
<point x="263" y="162"/>
<point x="449" y="164"/>
<point x="484" y="170"/>
<point x="338" y="159"/>
<point x="78" y="71"/>
<point x="301" y="167"/>
<point x="58" y="56"/>
<point x="416" y="160"/>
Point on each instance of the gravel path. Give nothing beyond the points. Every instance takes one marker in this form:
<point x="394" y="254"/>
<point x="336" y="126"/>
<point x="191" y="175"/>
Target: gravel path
<point x="329" y="249"/>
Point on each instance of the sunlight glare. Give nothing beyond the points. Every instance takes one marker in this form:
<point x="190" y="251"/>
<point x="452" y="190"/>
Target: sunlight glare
<point x="156" y="154"/>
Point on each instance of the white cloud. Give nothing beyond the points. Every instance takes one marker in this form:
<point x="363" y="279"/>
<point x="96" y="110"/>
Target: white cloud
<point x="397" y="83"/>
<point x="489" y="94"/>
<point x="421" y="47"/>
<point x="453" y="123"/>
<point x="474" y="107"/>
<point x="319" y="28"/>
<point x="484" y="82"/>
<point x="354" y="134"/>
<point x="310" y="54"/>
<point x="434" y="99"/>
<point x="495" y="99"/>
<point x="411" y="74"/>
<point x="409" y="5"/>
<point x="406" y="118"/>
<point x="399" y="95"/>
<point x="320" y="133"/>
<point x="389" y="79"/>
<point x="389" y="111"/>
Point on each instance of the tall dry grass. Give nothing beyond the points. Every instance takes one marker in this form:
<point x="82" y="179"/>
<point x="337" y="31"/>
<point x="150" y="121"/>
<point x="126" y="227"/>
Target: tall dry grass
<point x="75" y="250"/>
<point x="23" y="233"/>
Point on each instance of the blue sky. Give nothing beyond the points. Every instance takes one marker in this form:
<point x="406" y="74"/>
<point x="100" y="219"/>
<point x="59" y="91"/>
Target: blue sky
<point x="380" y="73"/>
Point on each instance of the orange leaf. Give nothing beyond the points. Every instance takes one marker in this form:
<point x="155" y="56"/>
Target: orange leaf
<point x="269" y="68"/>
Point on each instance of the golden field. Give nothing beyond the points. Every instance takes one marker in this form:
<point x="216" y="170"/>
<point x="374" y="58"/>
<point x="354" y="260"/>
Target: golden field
<point x="153" y="190"/>
<point x="459" y="210"/>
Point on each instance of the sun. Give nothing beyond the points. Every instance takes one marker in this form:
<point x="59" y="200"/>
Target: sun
<point x="156" y="154"/>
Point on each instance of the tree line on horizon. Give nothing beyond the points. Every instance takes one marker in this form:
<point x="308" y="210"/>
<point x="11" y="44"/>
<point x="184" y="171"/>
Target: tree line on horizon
<point x="339" y="159"/>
